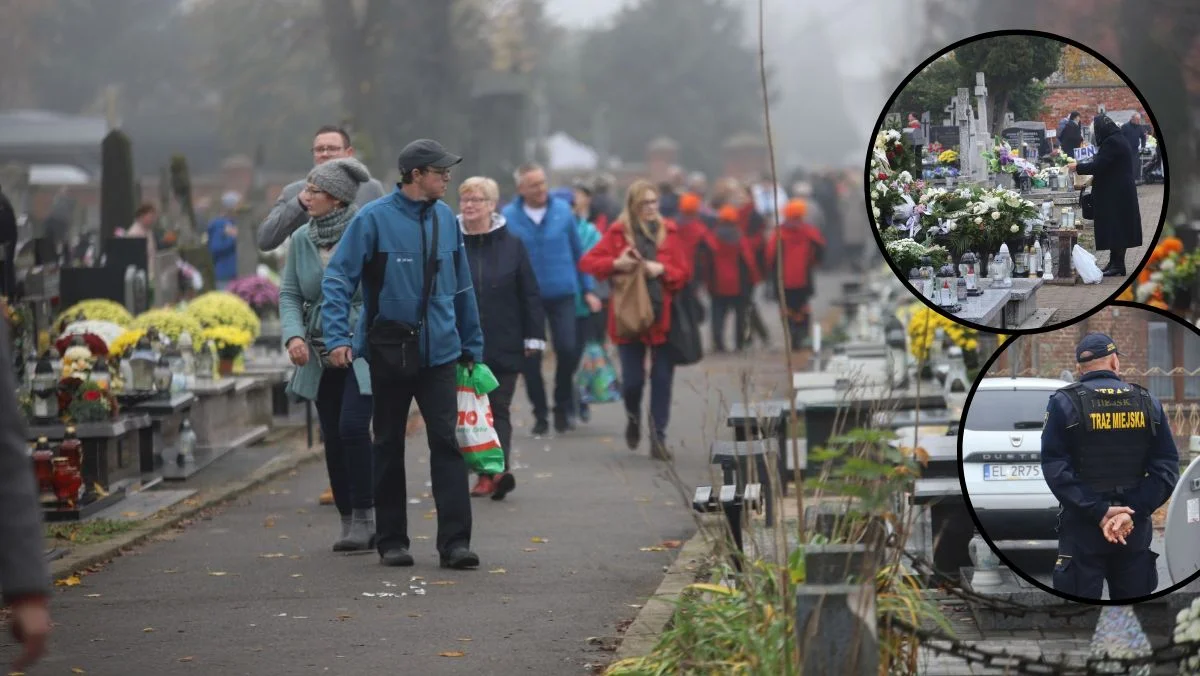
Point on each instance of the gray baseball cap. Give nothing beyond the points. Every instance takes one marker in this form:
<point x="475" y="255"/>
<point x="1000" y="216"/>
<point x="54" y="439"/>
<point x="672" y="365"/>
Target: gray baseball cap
<point x="426" y="153"/>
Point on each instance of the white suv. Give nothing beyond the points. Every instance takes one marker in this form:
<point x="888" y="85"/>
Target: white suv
<point x="1002" y="456"/>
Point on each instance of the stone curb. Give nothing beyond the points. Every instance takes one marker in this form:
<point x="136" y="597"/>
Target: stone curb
<point x="89" y="555"/>
<point x="642" y="634"/>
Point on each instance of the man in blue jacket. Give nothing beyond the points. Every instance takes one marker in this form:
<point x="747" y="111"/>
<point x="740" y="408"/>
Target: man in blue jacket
<point x="420" y="319"/>
<point x="547" y="226"/>
<point x="222" y="241"/>
<point x="1109" y="458"/>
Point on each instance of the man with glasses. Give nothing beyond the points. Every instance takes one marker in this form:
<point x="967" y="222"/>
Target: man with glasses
<point x="288" y="214"/>
<point x="420" y="319"/>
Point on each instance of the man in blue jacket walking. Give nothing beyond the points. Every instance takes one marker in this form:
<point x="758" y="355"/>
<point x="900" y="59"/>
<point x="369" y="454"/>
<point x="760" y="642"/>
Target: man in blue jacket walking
<point x="420" y="319"/>
<point x="547" y="226"/>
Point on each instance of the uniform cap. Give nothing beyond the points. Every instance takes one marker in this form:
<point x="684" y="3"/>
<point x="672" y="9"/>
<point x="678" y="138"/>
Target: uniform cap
<point x="1095" y="346"/>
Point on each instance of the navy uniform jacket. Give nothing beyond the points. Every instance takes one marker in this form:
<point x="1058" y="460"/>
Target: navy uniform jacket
<point x="1162" y="463"/>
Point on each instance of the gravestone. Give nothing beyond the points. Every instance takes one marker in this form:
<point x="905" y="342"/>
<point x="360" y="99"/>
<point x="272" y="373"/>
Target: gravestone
<point x="946" y="135"/>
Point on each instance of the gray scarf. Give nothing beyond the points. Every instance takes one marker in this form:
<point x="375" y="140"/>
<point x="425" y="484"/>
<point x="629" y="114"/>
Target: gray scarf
<point x="325" y="231"/>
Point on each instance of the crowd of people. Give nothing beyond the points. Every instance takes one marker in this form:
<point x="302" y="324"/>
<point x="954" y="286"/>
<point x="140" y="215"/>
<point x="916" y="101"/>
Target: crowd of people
<point x="385" y="297"/>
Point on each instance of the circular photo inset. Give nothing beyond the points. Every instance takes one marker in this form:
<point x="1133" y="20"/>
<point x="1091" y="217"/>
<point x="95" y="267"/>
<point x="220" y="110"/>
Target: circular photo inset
<point x="1008" y="189"/>
<point x="1076" y="460"/>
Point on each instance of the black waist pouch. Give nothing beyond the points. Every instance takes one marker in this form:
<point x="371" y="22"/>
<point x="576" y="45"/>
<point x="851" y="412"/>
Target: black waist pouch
<point x="395" y="350"/>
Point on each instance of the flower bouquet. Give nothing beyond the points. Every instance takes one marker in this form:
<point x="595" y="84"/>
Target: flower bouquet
<point x="923" y="325"/>
<point x="91" y="403"/>
<point x="94" y="344"/>
<point x="1168" y="279"/>
<point x="98" y="309"/>
<point x="259" y="293"/>
<point x="169" y="323"/>
<point x="106" y="332"/>
<point x="948" y="158"/>
<point x="77" y="360"/>
<point x="219" y="308"/>
<point x="124" y="344"/>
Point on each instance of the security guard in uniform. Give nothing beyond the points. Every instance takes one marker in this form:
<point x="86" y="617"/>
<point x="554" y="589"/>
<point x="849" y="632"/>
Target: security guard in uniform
<point x="1109" y="457"/>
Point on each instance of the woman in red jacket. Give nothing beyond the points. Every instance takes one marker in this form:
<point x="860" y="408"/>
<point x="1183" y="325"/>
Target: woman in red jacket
<point x="732" y="272"/>
<point x="642" y="240"/>
<point x="802" y="246"/>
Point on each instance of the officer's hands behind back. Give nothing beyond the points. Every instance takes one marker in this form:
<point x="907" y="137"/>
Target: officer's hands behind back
<point x="1117" y="524"/>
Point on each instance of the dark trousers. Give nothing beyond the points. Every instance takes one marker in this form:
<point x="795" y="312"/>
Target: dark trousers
<point x="345" y="418"/>
<point x="435" y="391"/>
<point x="500" y="399"/>
<point x="560" y="313"/>
<point x="633" y="382"/>
<point x="798" y="314"/>
<point x="1085" y="561"/>
<point x="720" y="307"/>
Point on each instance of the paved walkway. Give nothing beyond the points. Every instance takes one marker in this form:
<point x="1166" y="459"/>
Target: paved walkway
<point x="1072" y="301"/>
<point x="567" y="561"/>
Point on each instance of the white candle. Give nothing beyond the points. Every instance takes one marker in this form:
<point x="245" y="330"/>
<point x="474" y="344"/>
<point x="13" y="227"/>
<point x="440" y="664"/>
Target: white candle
<point x="816" y="336"/>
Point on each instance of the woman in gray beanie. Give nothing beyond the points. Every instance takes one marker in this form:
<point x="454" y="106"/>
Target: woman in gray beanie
<point x="342" y="396"/>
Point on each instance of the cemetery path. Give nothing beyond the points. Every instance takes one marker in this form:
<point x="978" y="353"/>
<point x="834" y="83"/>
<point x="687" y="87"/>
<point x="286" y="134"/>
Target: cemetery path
<point x="254" y="588"/>
<point x="1072" y="301"/>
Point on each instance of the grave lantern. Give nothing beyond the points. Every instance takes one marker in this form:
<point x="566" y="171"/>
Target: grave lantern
<point x="204" y="361"/>
<point x="45" y="391"/>
<point x="163" y="375"/>
<point x="141" y="365"/>
<point x="187" y="443"/>
<point x="100" y="374"/>
<point x="188" y="355"/>
<point x="55" y="359"/>
<point x="1001" y="269"/>
<point x="897" y="343"/>
<point x="1047" y="211"/>
<point x="946" y="284"/>
<point x="927" y="279"/>
<point x="970" y="272"/>
<point x="1020" y="263"/>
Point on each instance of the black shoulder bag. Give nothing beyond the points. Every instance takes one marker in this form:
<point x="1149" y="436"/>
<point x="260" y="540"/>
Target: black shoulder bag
<point x="394" y="347"/>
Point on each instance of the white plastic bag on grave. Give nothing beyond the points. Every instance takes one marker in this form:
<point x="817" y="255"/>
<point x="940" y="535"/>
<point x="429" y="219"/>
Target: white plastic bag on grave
<point x="1085" y="265"/>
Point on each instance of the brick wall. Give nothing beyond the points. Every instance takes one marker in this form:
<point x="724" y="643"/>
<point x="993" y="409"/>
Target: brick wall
<point x="1062" y="99"/>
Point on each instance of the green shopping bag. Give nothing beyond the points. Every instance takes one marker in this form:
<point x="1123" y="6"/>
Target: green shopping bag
<point x="476" y="431"/>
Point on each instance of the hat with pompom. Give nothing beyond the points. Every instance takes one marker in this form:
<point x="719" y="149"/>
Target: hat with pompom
<point x="340" y="178"/>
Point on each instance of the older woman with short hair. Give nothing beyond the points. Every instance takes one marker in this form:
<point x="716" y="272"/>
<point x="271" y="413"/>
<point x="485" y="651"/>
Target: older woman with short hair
<point x="510" y="310"/>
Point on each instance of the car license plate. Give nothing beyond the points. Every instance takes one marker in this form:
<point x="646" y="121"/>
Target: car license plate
<point x="1012" y="472"/>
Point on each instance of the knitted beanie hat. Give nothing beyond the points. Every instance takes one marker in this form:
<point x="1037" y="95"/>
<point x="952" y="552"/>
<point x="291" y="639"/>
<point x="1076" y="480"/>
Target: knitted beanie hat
<point x="340" y="178"/>
<point x="796" y="208"/>
<point x="728" y="213"/>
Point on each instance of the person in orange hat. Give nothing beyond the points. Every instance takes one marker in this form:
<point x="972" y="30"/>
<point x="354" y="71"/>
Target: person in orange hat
<point x="802" y="246"/>
<point x="732" y="271"/>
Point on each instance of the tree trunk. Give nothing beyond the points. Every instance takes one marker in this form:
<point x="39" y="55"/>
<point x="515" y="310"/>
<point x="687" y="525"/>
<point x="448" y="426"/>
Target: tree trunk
<point x="998" y="110"/>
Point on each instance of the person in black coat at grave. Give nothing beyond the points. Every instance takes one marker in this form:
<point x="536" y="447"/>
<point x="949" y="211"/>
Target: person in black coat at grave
<point x="8" y="242"/>
<point x="510" y="310"/>
<point x="1071" y="136"/>
<point x="1118" y="217"/>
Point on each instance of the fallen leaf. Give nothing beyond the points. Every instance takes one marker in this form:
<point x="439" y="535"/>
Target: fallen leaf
<point x="414" y="614"/>
<point x="297" y="575"/>
<point x="709" y="587"/>
<point x="68" y="581"/>
<point x="643" y="500"/>
<point x="191" y="502"/>
<point x="217" y="573"/>
<point x="452" y="653"/>
<point x="672" y="544"/>
<point x="465" y="640"/>
<point x="543" y="475"/>
<point x="634" y="605"/>
<point x="344" y="616"/>
<point x="77" y="670"/>
<point x="420" y="537"/>
<point x="93" y="596"/>
<point x="284" y="537"/>
<point x="148" y="630"/>
<point x="277" y="555"/>
<point x="442" y="583"/>
<point x="269" y="522"/>
<point x="429" y="516"/>
<point x="530" y="549"/>
<point x="655" y="548"/>
<point x="186" y="659"/>
<point x="170" y="571"/>
<point x="498" y="571"/>
<point x="127" y="515"/>
<point x="538" y="540"/>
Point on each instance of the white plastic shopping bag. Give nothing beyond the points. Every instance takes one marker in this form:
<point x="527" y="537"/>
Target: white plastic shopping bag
<point x="1085" y="265"/>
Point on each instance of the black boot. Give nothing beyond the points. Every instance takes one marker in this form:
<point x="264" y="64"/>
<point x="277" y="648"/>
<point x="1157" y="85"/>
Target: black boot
<point x="633" y="433"/>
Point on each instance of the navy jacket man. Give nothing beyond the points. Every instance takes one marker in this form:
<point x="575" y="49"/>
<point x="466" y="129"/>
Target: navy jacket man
<point x="548" y="228"/>
<point x="1109" y="457"/>
<point x="412" y="333"/>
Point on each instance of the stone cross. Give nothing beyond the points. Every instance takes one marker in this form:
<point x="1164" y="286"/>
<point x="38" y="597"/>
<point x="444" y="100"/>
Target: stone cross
<point x="983" y="131"/>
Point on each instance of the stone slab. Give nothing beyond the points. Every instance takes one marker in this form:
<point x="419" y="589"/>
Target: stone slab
<point x="175" y="403"/>
<point x="986" y="309"/>
<point x="93" y="430"/>
<point x="835" y="629"/>
<point x="142" y="505"/>
<point x="1038" y="319"/>
<point x="837" y="564"/>
<point x="209" y="387"/>
<point x="207" y="455"/>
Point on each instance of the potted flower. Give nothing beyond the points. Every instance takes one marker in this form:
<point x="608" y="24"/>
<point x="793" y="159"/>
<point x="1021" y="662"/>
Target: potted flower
<point x="168" y="323"/>
<point x="97" y="309"/>
<point x="229" y="342"/>
<point x="262" y="295"/>
<point x="219" y="308"/>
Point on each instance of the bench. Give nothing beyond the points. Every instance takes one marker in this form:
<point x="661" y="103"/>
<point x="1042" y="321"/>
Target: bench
<point x="733" y="457"/>
<point x="929" y="491"/>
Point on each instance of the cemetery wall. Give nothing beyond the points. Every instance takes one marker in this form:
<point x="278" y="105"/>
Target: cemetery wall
<point x="1062" y="99"/>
